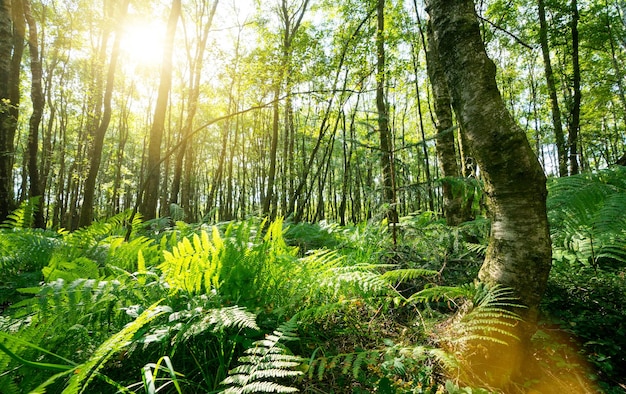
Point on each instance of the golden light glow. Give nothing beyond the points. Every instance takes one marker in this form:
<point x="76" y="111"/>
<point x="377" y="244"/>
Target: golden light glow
<point x="142" y="43"/>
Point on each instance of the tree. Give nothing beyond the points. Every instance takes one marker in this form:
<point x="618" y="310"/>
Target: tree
<point x="12" y="28"/>
<point x="36" y="93"/>
<point x="551" y="86"/>
<point x="519" y="252"/>
<point x="385" y="135"/>
<point x="153" y="164"/>
<point x="86" y="214"/>
<point x="291" y="18"/>
<point x="574" y="123"/>
<point x="446" y="151"/>
<point x="196" y="63"/>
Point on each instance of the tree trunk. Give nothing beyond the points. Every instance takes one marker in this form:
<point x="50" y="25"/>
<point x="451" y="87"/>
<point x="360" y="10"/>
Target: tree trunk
<point x="151" y="197"/>
<point x="86" y="212"/>
<point x="11" y="48"/>
<point x="37" y="98"/>
<point x="446" y="152"/>
<point x="383" y="118"/>
<point x="574" y="126"/>
<point x="554" y="101"/>
<point x="196" y="63"/>
<point x="519" y="252"/>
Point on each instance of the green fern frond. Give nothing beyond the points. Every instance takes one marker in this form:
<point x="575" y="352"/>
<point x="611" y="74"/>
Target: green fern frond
<point x="350" y="363"/>
<point x="197" y="321"/>
<point x="24" y="216"/>
<point x="194" y="266"/>
<point x="268" y="360"/>
<point x="406" y="274"/>
<point x="587" y="215"/>
<point x="87" y="371"/>
<point x="437" y="293"/>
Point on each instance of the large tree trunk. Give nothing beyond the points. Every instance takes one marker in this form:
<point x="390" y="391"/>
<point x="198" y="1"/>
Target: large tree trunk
<point x="153" y="173"/>
<point x="519" y="253"/>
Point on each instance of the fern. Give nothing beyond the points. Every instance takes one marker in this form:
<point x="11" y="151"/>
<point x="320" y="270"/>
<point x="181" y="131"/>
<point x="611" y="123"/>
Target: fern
<point x="486" y="314"/>
<point x="88" y="370"/>
<point x="184" y="324"/>
<point x="194" y="266"/>
<point x="587" y="215"/>
<point x="269" y="360"/>
<point x="24" y="216"/>
<point x="350" y="363"/>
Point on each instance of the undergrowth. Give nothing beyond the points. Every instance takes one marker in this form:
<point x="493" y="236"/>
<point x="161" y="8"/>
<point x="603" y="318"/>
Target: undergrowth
<point x="255" y="306"/>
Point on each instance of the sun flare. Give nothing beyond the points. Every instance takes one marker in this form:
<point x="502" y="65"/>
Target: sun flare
<point x="142" y="43"/>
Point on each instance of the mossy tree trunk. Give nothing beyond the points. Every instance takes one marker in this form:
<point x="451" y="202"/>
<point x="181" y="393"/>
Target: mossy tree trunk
<point x="519" y="252"/>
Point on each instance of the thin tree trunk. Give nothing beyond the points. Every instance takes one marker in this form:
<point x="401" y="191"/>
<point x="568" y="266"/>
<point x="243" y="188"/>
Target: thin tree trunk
<point x="429" y="183"/>
<point x="446" y="152"/>
<point x="86" y="213"/>
<point x="153" y="165"/>
<point x="383" y="119"/>
<point x="37" y="98"/>
<point x="551" y="86"/>
<point x="197" y="63"/>
<point x="12" y="28"/>
<point x="574" y="127"/>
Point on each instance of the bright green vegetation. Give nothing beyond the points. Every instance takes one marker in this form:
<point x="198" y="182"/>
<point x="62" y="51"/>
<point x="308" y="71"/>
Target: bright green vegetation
<point x="255" y="306"/>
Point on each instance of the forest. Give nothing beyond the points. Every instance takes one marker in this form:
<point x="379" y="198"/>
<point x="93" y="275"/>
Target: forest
<point x="317" y="196"/>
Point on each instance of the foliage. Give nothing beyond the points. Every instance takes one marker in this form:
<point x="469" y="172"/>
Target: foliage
<point x="368" y="315"/>
<point x="264" y="363"/>
<point x="586" y="289"/>
<point x="24" y="216"/>
<point x="588" y="219"/>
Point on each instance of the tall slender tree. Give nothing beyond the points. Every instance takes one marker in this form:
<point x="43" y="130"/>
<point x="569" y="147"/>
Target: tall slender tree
<point x="97" y="143"/>
<point x="574" y="123"/>
<point x="446" y="150"/>
<point x="153" y="164"/>
<point x="557" y="124"/>
<point x="37" y="97"/>
<point x="384" y="132"/>
<point x="12" y="29"/>
<point x="291" y="18"/>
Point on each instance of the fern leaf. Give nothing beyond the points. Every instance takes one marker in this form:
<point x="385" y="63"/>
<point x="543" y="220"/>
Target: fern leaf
<point x="86" y="372"/>
<point x="266" y="361"/>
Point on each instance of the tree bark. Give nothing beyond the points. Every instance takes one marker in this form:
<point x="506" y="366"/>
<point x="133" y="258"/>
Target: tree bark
<point x="554" y="101"/>
<point x="446" y="152"/>
<point x="384" y="133"/>
<point x="37" y="97"/>
<point x="86" y="212"/>
<point x="12" y="28"/>
<point x="519" y="252"/>
<point x="153" y="165"/>
<point x="195" y="74"/>
<point x="574" y="126"/>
